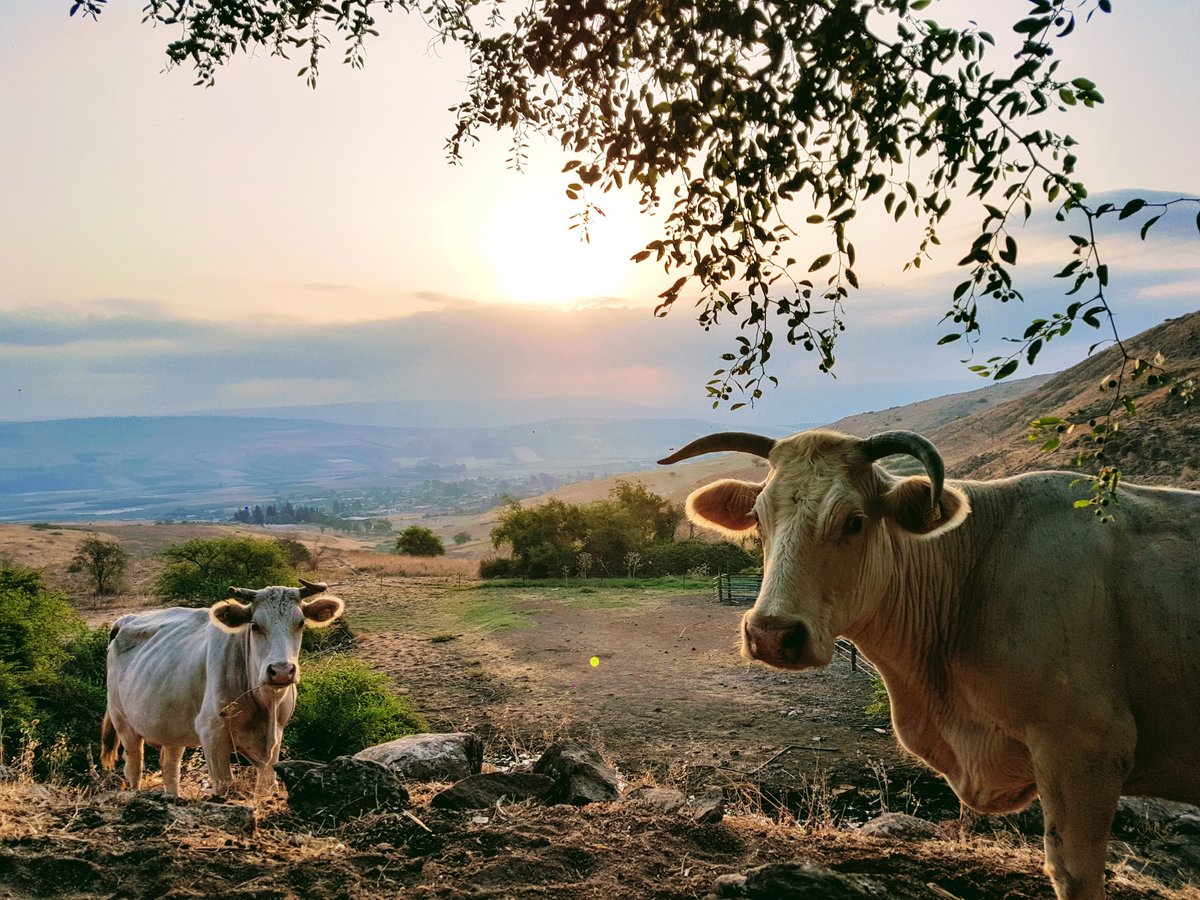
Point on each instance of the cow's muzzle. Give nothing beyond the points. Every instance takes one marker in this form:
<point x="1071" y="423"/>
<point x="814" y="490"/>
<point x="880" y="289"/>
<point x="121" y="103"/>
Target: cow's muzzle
<point x="281" y="674"/>
<point x="777" y="641"/>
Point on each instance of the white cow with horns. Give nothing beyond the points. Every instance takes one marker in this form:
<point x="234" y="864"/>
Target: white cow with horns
<point x="1028" y="649"/>
<point x="222" y="678"/>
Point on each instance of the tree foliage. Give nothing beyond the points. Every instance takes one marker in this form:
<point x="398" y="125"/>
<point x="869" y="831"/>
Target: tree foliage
<point x="553" y="536"/>
<point x="760" y="127"/>
<point x="103" y="561"/>
<point x="202" y="570"/>
<point x="417" y="540"/>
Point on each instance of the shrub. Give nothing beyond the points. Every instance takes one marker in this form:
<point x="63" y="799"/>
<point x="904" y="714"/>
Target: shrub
<point x="202" y="570"/>
<point x="721" y="557"/>
<point x="462" y="537"/>
<point x="416" y="540"/>
<point x="297" y="555"/>
<point x="52" y="670"/>
<point x="343" y="706"/>
<point x="334" y="637"/>
<point x="104" y="563"/>
<point x="498" y="567"/>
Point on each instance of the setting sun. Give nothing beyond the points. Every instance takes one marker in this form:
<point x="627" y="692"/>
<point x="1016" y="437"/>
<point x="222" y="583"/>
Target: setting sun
<point x="535" y="256"/>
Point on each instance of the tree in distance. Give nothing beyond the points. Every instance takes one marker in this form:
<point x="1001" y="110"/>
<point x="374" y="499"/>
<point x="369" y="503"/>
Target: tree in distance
<point x="104" y="563"/>
<point x="417" y="540"/>
<point x="758" y="127"/>
<point x="462" y="538"/>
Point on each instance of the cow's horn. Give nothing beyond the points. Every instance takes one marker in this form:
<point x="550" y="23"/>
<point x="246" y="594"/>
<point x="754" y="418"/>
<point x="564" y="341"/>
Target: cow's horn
<point x="308" y="588"/>
<point x="722" y="442"/>
<point x="243" y="593"/>
<point x="910" y="444"/>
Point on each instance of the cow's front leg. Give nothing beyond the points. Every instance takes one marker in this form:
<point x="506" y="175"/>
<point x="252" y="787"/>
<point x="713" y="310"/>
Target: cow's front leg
<point x="1079" y="789"/>
<point x="217" y="749"/>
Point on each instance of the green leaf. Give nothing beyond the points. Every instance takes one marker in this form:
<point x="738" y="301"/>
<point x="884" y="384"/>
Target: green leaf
<point x="1131" y="207"/>
<point x="946" y="339"/>
<point x="1050" y="445"/>
<point x="1005" y="370"/>
<point x="820" y="262"/>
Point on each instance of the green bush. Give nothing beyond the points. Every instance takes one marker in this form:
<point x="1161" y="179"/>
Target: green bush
<point x="416" y="540"/>
<point x="52" y="671"/>
<point x="201" y="571"/>
<point x="497" y="567"/>
<point x="682" y="557"/>
<point x="334" y="637"/>
<point x="343" y="706"/>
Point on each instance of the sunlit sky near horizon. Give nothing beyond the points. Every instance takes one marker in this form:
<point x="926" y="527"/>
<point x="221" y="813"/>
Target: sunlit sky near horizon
<point x="168" y="248"/>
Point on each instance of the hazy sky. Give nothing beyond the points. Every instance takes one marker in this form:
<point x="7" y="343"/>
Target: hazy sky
<point x="165" y="247"/>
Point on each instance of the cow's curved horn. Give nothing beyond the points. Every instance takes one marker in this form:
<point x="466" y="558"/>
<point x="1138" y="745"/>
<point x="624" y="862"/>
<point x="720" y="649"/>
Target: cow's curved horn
<point x="722" y="442"/>
<point x="243" y="593"/>
<point x="912" y="444"/>
<point x="308" y="588"/>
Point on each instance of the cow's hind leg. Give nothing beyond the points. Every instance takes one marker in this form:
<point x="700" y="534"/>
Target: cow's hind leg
<point x="134" y="748"/>
<point x="171" y="758"/>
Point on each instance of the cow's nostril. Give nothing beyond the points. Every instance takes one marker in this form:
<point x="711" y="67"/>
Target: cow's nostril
<point x="793" y="643"/>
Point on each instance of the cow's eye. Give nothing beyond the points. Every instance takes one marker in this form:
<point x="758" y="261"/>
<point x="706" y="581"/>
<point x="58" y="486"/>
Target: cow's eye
<point x="255" y="627"/>
<point x="299" y="626"/>
<point x="854" y="524"/>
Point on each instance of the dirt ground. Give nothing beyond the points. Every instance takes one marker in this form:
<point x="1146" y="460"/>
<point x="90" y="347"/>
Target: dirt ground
<point x="670" y="703"/>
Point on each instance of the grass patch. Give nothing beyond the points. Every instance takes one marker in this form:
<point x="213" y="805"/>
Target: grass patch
<point x="443" y="638"/>
<point x="666" y="583"/>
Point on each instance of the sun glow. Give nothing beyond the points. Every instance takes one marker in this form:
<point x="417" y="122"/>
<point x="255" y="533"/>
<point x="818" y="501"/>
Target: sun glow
<point x="537" y="257"/>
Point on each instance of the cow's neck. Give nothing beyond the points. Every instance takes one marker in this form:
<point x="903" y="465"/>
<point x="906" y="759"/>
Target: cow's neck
<point x="913" y="635"/>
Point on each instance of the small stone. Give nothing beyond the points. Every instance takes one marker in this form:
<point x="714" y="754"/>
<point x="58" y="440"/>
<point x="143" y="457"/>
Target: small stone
<point x="662" y="799"/>
<point x="343" y="789"/>
<point x="900" y="827"/>
<point x="709" y="809"/>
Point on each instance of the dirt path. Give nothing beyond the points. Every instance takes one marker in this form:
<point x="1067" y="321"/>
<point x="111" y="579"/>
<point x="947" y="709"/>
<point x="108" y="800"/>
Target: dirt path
<point x="670" y="697"/>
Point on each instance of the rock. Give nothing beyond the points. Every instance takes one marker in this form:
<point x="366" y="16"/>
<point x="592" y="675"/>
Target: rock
<point x="1188" y="823"/>
<point x="7" y="774"/>
<point x="481" y="791"/>
<point x="900" y="827"/>
<point x="343" y="789"/>
<point x="792" y="879"/>
<point x="429" y="757"/>
<point x="709" y="809"/>
<point x="1135" y="815"/>
<point x="662" y="799"/>
<point x="580" y="775"/>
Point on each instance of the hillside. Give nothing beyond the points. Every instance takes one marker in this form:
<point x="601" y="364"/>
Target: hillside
<point x="1161" y="445"/>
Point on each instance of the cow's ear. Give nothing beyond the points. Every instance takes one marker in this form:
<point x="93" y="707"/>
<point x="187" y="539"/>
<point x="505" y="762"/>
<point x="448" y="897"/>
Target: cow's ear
<point x="229" y="615"/>
<point x="320" y="613"/>
<point x="907" y="503"/>
<point x="726" y="506"/>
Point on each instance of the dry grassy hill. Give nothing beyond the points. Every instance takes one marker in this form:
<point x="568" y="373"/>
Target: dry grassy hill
<point x="1161" y="445"/>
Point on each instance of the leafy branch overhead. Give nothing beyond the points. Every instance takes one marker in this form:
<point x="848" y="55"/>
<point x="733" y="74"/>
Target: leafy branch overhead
<point x="755" y="127"/>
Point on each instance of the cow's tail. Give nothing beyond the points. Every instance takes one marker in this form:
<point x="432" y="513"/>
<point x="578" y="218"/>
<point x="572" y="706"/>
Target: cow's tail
<point x="108" y="743"/>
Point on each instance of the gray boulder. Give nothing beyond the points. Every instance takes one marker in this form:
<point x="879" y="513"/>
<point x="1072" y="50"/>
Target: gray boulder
<point x="429" y="757"/>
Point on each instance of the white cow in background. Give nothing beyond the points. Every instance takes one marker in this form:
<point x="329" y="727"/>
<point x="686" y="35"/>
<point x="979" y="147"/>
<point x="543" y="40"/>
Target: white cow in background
<point x="222" y="678"/>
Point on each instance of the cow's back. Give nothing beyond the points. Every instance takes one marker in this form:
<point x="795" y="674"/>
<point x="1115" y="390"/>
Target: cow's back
<point x="156" y="673"/>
